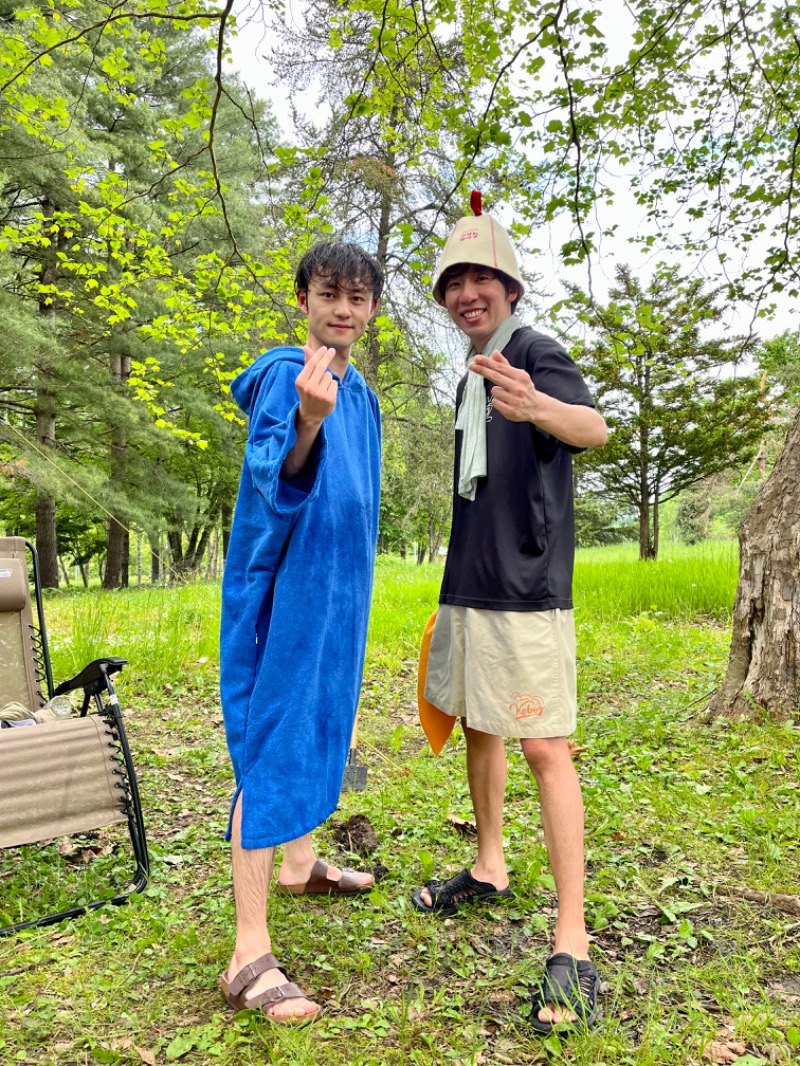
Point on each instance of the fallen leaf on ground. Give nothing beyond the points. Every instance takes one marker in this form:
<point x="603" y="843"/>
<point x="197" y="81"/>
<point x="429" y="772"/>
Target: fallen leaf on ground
<point x="727" y="1052"/>
<point x="465" y="828"/>
<point x="145" y="1055"/>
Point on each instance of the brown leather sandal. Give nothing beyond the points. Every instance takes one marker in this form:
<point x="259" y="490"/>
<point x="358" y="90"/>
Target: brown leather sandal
<point x="236" y="996"/>
<point x="319" y="884"/>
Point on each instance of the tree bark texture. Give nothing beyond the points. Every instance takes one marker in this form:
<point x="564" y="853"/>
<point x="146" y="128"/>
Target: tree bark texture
<point x="647" y="550"/>
<point x="114" y="576"/>
<point x="45" y="408"/>
<point x="155" y="555"/>
<point x="226" y="517"/>
<point x="46" y="546"/>
<point x="118" y="553"/>
<point x="763" y="676"/>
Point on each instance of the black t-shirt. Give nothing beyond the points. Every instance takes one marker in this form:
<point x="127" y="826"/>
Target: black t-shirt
<point x="512" y="548"/>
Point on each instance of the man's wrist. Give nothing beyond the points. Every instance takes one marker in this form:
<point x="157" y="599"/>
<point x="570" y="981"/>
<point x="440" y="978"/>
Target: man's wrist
<point x="311" y="425"/>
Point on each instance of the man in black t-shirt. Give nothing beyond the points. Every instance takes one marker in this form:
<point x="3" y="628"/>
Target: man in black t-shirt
<point x="502" y="654"/>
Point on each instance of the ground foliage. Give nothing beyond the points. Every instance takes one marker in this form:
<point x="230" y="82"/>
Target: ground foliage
<point x="674" y="809"/>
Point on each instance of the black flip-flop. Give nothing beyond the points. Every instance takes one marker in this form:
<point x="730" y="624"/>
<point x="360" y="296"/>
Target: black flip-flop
<point x="571" y="983"/>
<point x="449" y="896"/>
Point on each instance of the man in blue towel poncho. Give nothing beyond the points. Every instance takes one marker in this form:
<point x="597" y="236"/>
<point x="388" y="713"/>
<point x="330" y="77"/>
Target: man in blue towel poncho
<point x="295" y="605"/>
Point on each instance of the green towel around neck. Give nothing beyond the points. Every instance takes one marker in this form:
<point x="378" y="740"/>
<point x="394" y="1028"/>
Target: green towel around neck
<point x="472" y="414"/>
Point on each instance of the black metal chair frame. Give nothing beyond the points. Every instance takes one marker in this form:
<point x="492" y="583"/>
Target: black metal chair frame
<point x="98" y="688"/>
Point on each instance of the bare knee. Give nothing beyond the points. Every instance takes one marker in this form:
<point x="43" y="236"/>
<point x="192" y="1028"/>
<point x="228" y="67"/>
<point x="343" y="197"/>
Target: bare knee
<point x="545" y="755"/>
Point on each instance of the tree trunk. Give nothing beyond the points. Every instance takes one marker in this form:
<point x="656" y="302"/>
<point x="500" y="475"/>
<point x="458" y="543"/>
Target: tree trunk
<point x="373" y="360"/>
<point x="46" y="540"/>
<point x="656" y="528"/>
<point x="112" y="574"/>
<point x="45" y="408"/>
<point x="118" y="555"/>
<point x="155" y="556"/>
<point x="763" y="676"/>
<point x="437" y="543"/>
<point x="213" y="552"/>
<point x="645" y="543"/>
<point x="46" y="535"/>
<point x="193" y="556"/>
<point x="175" y="542"/>
<point x="226" y="516"/>
<point x="65" y="572"/>
<point x="125" y="573"/>
<point x="434" y="539"/>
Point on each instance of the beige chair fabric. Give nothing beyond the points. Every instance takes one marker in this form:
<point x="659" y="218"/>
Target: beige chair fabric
<point x="58" y="778"/>
<point x="18" y="681"/>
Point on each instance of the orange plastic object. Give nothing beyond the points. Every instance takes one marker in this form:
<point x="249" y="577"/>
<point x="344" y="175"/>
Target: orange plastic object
<point x="437" y="725"/>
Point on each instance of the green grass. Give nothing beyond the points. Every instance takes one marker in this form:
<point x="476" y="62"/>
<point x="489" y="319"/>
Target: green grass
<point x="686" y="583"/>
<point x="166" y="634"/>
<point x="674" y="808"/>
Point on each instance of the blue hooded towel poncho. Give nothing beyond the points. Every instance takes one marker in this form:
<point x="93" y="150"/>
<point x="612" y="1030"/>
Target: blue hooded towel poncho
<point x="295" y="600"/>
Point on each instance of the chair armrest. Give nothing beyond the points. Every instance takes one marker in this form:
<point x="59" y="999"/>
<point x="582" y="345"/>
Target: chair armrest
<point x="92" y="679"/>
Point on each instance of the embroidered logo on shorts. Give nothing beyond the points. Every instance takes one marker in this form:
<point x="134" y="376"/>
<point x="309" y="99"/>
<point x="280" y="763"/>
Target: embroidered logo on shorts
<point x="525" y="706"/>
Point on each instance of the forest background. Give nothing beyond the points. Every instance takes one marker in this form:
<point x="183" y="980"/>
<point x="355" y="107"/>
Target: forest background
<point x="154" y="210"/>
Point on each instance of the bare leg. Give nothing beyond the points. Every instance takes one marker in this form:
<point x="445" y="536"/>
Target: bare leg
<point x="252" y="872"/>
<point x="486" y="770"/>
<point x="298" y="859"/>
<point x="562" y="817"/>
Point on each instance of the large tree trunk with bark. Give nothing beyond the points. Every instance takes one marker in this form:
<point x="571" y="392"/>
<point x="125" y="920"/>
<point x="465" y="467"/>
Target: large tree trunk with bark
<point x="763" y="676"/>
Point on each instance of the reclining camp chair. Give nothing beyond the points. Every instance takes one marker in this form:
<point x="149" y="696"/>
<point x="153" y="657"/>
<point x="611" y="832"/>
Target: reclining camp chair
<point x="62" y="777"/>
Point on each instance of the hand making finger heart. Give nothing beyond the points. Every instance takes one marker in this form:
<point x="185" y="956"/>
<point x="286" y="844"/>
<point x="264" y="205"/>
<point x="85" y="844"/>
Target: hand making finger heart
<point x="513" y="394"/>
<point x="316" y="386"/>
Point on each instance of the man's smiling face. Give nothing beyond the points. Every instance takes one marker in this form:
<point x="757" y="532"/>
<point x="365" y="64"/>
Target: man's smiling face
<point x="478" y="302"/>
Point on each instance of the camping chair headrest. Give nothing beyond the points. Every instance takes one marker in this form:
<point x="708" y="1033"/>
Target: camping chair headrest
<point x="13" y="585"/>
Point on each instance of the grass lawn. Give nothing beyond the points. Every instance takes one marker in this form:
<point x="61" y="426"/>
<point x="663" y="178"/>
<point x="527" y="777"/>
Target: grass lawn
<point x="675" y="810"/>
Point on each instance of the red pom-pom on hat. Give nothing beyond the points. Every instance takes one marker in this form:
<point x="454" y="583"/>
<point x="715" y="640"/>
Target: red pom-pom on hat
<point x="476" y="202"/>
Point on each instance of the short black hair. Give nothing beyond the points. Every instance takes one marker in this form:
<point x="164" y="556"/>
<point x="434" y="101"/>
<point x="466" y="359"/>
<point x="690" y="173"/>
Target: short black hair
<point x="457" y="269"/>
<point x="342" y="264"/>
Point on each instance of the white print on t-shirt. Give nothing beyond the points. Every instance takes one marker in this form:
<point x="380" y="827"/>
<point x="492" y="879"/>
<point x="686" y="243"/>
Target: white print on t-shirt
<point x="489" y="408"/>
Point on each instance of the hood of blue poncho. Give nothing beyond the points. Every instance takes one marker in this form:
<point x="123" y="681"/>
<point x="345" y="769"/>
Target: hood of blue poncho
<point x="246" y="386"/>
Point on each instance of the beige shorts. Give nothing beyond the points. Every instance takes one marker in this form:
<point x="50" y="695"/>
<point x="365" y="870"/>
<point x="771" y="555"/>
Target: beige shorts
<point x="509" y="673"/>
